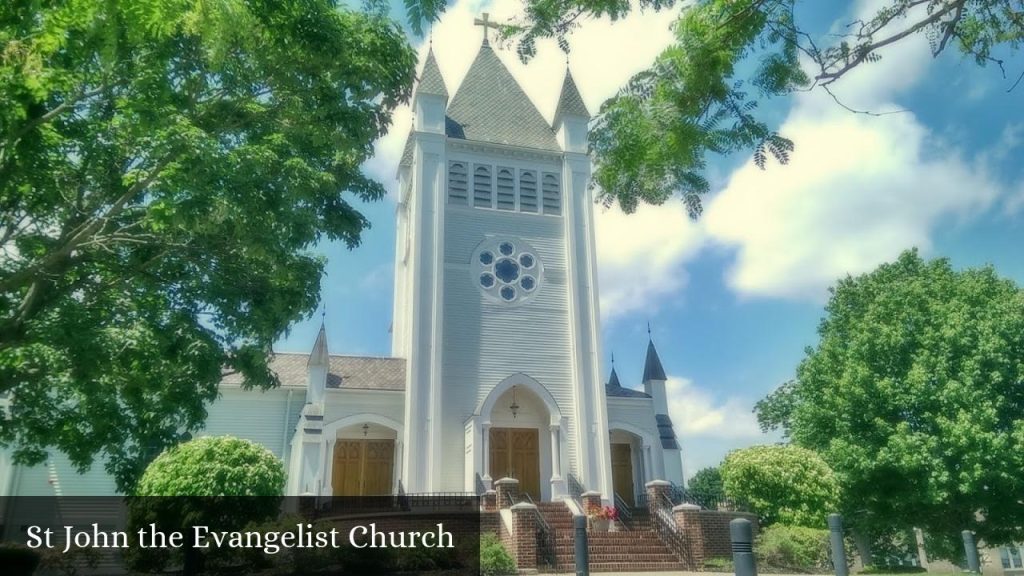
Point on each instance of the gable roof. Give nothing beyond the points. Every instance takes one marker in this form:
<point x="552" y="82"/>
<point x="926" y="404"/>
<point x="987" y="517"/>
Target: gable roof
<point x="345" y="372"/>
<point x="490" y="106"/>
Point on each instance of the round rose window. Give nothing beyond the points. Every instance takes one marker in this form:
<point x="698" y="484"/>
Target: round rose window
<point x="506" y="270"/>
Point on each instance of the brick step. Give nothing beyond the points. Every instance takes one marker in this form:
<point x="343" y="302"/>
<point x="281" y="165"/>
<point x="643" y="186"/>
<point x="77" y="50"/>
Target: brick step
<point x="624" y="567"/>
<point x="624" y="557"/>
<point x="649" y="549"/>
<point x="611" y="536"/>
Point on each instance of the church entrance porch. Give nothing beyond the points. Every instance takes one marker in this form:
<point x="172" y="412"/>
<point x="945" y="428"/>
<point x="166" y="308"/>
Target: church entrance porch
<point x="517" y="432"/>
<point x="515" y="453"/>
<point x="631" y="463"/>
<point x="362" y="460"/>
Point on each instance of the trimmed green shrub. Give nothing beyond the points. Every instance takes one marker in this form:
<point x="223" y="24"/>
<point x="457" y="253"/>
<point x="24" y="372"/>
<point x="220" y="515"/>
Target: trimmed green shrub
<point x="494" y="559"/>
<point x="223" y="482"/>
<point x="793" y="548"/>
<point x="18" y="560"/>
<point x="781" y="483"/>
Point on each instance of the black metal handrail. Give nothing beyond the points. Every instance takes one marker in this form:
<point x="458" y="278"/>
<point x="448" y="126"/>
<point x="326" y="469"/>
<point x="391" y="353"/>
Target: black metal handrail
<point x="667" y="530"/>
<point x="624" y="512"/>
<point x="546" y="555"/>
<point x="576" y="490"/>
<point x="706" y="500"/>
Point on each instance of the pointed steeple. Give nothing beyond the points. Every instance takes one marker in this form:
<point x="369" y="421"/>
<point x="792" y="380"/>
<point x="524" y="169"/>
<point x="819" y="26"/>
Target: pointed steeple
<point x="319" y="356"/>
<point x="613" y="379"/>
<point x="431" y="81"/>
<point x="570" y="103"/>
<point x="652" y="365"/>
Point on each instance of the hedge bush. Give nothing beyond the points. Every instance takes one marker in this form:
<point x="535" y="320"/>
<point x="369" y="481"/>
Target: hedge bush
<point x="494" y="559"/>
<point x="793" y="548"/>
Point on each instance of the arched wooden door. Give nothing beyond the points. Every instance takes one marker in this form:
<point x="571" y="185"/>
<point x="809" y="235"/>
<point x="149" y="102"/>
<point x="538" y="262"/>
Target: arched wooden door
<point x="363" y="467"/>
<point x="515" y="453"/>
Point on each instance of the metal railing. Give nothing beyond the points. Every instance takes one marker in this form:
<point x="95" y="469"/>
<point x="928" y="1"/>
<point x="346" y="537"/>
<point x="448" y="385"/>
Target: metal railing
<point x="576" y="490"/>
<point x="546" y="555"/>
<point x="706" y="500"/>
<point x="480" y="487"/>
<point x="668" y="531"/>
<point x="624" y="512"/>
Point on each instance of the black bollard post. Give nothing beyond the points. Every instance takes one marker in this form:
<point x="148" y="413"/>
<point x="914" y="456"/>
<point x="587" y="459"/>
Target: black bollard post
<point x="971" y="549"/>
<point x="835" y="534"/>
<point x="741" y="532"/>
<point x="579" y="523"/>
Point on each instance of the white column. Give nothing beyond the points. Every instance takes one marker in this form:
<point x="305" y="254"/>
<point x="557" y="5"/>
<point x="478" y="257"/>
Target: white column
<point x="398" y="465"/>
<point x="329" y="467"/>
<point x="556" y="452"/>
<point x="485" y="440"/>
<point x="648" y="473"/>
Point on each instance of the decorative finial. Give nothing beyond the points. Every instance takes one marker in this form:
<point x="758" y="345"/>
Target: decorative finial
<point x="323" y="313"/>
<point x="486" y="23"/>
<point x="648" y="328"/>
<point x="613" y="359"/>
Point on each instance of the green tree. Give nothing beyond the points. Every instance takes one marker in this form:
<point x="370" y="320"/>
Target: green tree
<point x="707" y="483"/>
<point x="914" y="394"/>
<point x="223" y="483"/>
<point x="700" y="96"/>
<point x="781" y="483"/>
<point x="165" y="168"/>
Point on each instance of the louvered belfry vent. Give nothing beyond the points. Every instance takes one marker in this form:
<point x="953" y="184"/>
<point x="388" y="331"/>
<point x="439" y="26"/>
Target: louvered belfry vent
<point x="458" y="184"/>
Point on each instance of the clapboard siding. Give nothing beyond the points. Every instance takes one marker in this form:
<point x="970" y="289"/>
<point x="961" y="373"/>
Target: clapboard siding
<point x="249" y="414"/>
<point x="255" y="415"/>
<point x="638" y="412"/>
<point x="485" y="341"/>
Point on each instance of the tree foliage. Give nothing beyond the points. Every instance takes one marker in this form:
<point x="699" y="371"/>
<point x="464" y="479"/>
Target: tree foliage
<point x="700" y="96"/>
<point x="164" y="169"/>
<point x="782" y="484"/>
<point x="214" y="466"/>
<point x="914" y="394"/>
<point x="707" y="482"/>
<point x="223" y="483"/>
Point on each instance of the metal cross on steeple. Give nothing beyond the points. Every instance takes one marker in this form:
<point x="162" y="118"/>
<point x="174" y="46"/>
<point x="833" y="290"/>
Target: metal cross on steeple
<point x="486" y="23"/>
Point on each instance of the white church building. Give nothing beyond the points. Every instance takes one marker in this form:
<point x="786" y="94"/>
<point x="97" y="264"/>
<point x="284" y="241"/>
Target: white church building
<point x="495" y="367"/>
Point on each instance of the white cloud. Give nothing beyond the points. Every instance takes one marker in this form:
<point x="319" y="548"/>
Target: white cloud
<point x="858" y="190"/>
<point x="641" y="256"/>
<point x="708" y="427"/>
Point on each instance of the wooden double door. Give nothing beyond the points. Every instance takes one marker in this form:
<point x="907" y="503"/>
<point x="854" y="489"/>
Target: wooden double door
<point x="622" y="472"/>
<point x="515" y="453"/>
<point x="363" y="467"/>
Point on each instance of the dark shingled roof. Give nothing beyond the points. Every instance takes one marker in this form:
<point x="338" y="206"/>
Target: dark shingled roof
<point x="407" y="151"/>
<point x="652" y="365"/>
<point x="615" y="390"/>
<point x="666" y="433"/>
<point x="431" y="81"/>
<point x="570" y="102"/>
<point x="490" y="106"/>
<point x="346" y="372"/>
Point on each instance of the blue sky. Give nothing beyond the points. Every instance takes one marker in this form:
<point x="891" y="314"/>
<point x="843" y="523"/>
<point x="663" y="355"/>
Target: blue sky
<point x="735" y="298"/>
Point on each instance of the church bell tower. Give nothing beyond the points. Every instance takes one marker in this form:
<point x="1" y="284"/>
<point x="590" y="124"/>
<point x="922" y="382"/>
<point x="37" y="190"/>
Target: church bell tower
<point x="496" y="308"/>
